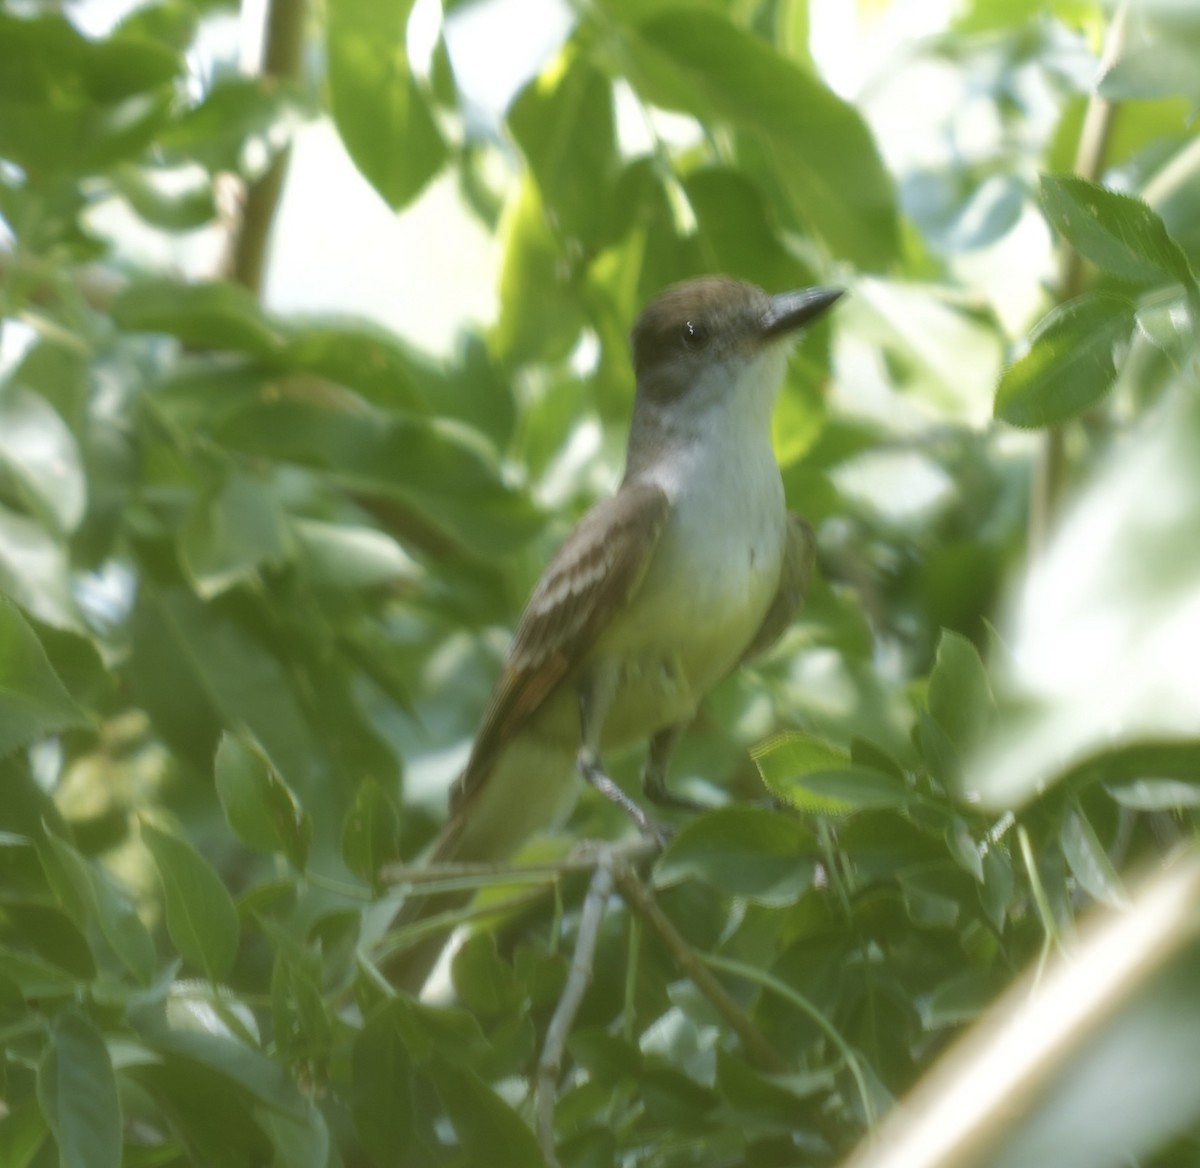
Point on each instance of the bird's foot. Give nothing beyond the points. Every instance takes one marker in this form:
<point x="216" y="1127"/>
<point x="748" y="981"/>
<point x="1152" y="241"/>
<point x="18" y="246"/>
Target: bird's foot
<point x="593" y="773"/>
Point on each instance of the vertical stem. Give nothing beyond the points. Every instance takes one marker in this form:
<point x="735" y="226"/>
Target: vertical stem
<point x="282" y="51"/>
<point x="1050" y="470"/>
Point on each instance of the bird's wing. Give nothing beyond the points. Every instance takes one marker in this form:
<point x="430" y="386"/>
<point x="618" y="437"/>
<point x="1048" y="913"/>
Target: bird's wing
<point x="590" y="578"/>
<point x="799" y="555"/>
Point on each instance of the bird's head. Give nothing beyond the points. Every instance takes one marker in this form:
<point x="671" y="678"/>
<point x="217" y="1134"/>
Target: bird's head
<point x="706" y="337"/>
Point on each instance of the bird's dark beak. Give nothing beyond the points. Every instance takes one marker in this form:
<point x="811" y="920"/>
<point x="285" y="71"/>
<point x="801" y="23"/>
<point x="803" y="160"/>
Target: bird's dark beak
<point x="790" y="310"/>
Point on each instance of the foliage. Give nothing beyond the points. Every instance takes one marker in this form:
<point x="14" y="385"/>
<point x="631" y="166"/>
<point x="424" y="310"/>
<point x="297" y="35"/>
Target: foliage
<point x="250" y="567"/>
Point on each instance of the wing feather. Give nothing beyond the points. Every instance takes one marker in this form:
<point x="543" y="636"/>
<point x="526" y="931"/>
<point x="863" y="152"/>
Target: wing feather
<point x="591" y="576"/>
<point x="799" y="555"/>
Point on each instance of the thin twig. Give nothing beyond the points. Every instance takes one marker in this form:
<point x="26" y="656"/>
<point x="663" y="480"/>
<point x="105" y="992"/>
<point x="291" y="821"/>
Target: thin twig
<point x="578" y="980"/>
<point x="1050" y="469"/>
<point x="582" y="858"/>
<point x="638" y="897"/>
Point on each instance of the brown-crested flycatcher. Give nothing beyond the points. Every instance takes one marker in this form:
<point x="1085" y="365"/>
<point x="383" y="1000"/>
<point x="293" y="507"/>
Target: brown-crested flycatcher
<point x="693" y="566"/>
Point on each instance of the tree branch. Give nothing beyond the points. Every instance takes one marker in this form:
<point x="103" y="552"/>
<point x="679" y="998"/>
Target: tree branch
<point x="282" y="54"/>
<point x="1050" y="470"/>
<point x="550" y="1063"/>
<point x="638" y="897"/>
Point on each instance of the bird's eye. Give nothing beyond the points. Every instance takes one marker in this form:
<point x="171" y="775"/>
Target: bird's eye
<point x="694" y="334"/>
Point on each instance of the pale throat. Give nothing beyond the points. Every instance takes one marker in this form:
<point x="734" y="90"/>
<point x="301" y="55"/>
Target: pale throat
<point x="719" y="429"/>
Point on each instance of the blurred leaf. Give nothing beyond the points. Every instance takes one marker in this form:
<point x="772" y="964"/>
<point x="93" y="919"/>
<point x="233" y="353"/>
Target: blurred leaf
<point x="819" y="779"/>
<point x="563" y="121"/>
<point x="386" y="1114"/>
<point x="371" y="833"/>
<point x="118" y="919"/>
<point x="444" y="471"/>
<point x="1164" y="68"/>
<point x="962" y="846"/>
<point x="960" y="697"/>
<point x="1156" y="794"/>
<point x="489" y="1131"/>
<point x="1118" y="233"/>
<point x="360" y="356"/>
<point x="216" y="315"/>
<point x="40" y="452"/>
<point x="736" y="234"/>
<point x="201" y="917"/>
<point x="1087" y="858"/>
<point x="51" y="933"/>
<point x="540" y="315"/>
<point x="235" y="111"/>
<point x="184" y="211"/>
<point x="35" y="572"/>
<point x="962" y="998"/>
<point x="45" y="56"/>
<point x="1069" y="365"/>
<point x="22" y="1132"/>
<point x="483" y="981"/>
<point x="340" y="556"/>
<point x="825" y="159"/>
<point x="380" y="112"/>
<point x="742" y="851"/>
<point x="258" y="804"/>
<point x="230" y="535"/>
<point x="302" y="1027"/>
<point x="930" y="896"/>
<point x="33" y="702"/>
<point x="77" y="1089"/>
<point x="194" y="671"/>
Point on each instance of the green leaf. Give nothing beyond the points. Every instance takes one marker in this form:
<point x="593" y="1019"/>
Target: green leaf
<point x="228" y="536"/>
<point x="201" y="917"/>
<point x="360" y="356"/>
<point x="1069" y="365"/>
<point x="235" y="111"/>
<point x="77" y="1089"/>
<point x="338" y="555"/>
<point x="563" y="121"/>
<point x="1118" y="233"/>
<point x="1156" y="794"/>
<point x="371" y="832"/>
<point x="23" y="1130"/>
<point x="441" y="469"/>
<point x="185" y="211"/>
<point x="823" y="156"/>
<point x="1162" y="68"/>
<point x="33" y="702"/>
<point x="379" y="110"/>
<point x="961" y="999"/>
<point x="960" y="696"/>
<point x="258" y="804"/>
<point x="540" y="311"/>
<point x="1087" y="859"/>
<point x="54" y="936"/>
<point x="489" y="1131"/>
<point x="47" y="58"/>
<point x="41" y="453"/>
<point x="819" y="778"/>
<point x="119" y="922"/>
<point x="194" y="672"/>
<point x="214" y="315"/>
<point x="35" y="572"/>
<point x="742" y="851"/>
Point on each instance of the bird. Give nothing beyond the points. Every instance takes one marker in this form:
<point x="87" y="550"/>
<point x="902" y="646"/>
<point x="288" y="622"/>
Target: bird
<point x="691" y="568"/>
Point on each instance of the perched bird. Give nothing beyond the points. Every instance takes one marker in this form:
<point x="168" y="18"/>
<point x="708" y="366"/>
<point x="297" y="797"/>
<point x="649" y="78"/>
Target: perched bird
<point x="659" y="592"/>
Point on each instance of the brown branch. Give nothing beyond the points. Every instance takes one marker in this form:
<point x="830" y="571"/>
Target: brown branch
<point x="639" y="898"/>
<point x="282" y="52"/>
